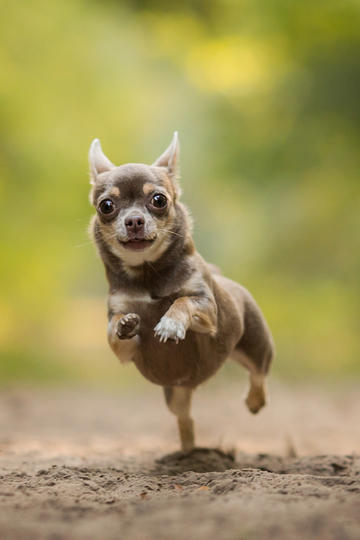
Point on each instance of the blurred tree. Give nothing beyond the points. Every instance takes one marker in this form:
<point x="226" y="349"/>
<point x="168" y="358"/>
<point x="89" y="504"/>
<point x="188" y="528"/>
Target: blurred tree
<point x="266" y="99"/>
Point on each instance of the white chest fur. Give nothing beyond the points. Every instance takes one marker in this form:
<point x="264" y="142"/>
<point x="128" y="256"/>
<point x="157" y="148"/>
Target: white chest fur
<point x="120" y="302"/>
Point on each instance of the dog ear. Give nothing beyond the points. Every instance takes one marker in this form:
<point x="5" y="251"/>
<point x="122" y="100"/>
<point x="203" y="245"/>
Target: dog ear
<point x="98" y="162"/>
<point x="170" y="158"/>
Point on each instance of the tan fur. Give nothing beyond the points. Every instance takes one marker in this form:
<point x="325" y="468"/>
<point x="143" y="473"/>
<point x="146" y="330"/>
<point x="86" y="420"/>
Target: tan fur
<point x="115" y="191"/>
<point x="169" y="186"/>
<point x="179" y="402"/>
<point x="148" y="188"/>
<point x="193" y="316"/>
<point x="256" y="396"/>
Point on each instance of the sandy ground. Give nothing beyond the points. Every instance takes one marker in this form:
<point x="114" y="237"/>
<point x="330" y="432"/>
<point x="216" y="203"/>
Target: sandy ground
<point x="80" y="464"/>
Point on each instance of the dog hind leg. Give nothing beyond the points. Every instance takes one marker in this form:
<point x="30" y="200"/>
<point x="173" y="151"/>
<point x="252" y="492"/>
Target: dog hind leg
<point x="255" y="351"/>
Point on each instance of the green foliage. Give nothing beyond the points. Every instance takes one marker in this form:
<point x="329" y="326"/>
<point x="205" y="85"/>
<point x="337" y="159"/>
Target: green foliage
<point x="265" y="96"/>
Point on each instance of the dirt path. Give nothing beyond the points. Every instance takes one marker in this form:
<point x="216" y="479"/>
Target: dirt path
<point x="78" y="464"/>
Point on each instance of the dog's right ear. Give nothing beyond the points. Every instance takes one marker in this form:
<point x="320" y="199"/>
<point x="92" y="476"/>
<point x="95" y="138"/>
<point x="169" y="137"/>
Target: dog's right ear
<point x="170" y="158"/>
<point x="98" y="162"/>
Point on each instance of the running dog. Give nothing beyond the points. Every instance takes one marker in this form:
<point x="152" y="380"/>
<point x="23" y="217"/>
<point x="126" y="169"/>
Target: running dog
<point x="170" y="312"/>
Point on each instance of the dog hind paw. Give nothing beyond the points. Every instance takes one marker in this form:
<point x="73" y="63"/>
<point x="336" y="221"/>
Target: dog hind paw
<point x="169" y="328"/>
<point x="256" y="399"/>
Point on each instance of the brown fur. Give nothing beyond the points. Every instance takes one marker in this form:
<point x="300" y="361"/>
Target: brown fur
<point x="187" y="317"/>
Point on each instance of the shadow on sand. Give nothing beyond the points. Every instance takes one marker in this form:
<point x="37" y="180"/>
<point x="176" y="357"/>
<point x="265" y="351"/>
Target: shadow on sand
<point x="203" y="460"/>
<point x="197" y="460"/>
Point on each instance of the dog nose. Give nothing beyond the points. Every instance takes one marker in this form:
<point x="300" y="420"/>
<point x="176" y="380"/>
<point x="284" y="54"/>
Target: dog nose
<point x="134" y="224"/>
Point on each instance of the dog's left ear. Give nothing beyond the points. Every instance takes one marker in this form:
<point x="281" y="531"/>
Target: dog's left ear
<point x="170" y="158"/>
<point x="98" y="162"/>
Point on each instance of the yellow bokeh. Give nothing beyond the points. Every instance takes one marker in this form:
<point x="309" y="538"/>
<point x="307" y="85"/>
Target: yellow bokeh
<point x="229" y="65"/>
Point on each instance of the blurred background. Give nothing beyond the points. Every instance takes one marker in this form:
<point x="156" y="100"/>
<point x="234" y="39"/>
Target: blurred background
<point x="265" y="96"/>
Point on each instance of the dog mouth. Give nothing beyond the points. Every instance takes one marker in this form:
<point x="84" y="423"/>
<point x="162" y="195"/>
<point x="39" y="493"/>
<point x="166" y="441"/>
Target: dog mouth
<point x="137" y="244"/>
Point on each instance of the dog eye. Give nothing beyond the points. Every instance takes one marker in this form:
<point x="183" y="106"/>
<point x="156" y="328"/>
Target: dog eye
<point x="106" y="206"/>
<point x="159" y="200"/>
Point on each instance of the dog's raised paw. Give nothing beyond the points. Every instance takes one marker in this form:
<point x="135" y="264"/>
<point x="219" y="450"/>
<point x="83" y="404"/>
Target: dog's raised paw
<point x="256" y="399"/>
<point x="169" y="328"/>
<point x="128" y="326"/>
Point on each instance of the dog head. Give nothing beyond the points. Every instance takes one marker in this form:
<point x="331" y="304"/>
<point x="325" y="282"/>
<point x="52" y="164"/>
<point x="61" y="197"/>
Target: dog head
<point x="136" y="204"/>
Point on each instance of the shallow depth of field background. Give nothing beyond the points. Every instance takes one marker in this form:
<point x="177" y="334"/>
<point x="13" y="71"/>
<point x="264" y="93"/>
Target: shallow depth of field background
<point x="265" y="96"/>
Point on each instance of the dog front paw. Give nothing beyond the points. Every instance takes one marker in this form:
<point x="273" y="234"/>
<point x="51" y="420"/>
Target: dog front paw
<point x="169" y="328"/>
<point x="128" y="326"/>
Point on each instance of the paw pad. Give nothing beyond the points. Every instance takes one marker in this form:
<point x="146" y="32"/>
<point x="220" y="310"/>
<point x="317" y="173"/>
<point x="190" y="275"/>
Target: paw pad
<point x="128" y="326"/>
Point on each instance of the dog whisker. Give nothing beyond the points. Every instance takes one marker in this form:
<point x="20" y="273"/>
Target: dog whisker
<point x="84" y="244"/>
<point x="171" y="232"/>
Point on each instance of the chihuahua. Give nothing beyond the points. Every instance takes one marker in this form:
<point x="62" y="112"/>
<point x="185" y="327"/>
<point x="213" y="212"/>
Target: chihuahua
<point x="170" y="312"/>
